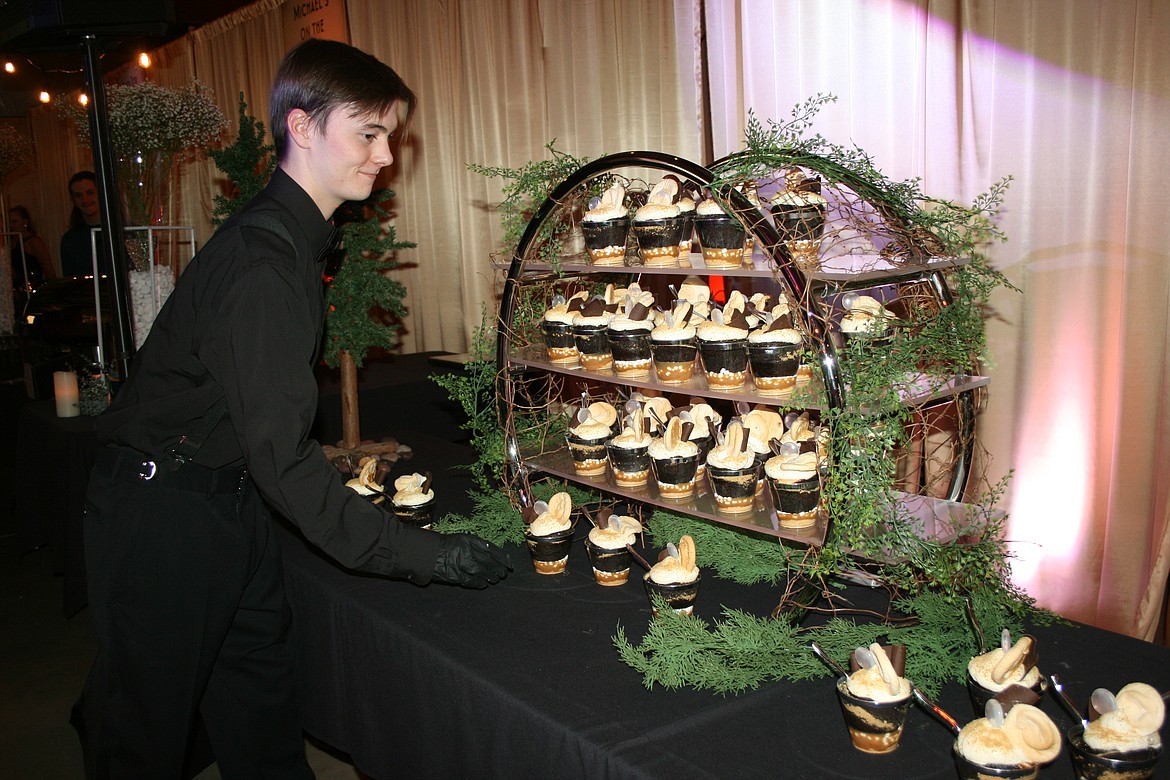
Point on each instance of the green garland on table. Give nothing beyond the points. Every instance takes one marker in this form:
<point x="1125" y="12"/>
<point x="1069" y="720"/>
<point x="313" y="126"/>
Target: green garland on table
<point x="742" y="651"/>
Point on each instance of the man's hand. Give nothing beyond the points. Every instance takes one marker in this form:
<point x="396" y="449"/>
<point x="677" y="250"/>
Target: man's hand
<point x="467" y="560"/>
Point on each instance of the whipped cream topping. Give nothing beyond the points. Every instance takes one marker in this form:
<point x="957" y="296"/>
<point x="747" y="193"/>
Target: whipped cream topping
<point x="780" y="336"/>
<point x="1026" y="736"/>
<point x="678" y="565"/>
<point x="867" y="315"/>
<point x="982" y="669"/>
<point x="1134" y="725"/>
<point x="556" y="516"/>
<point x="622" y="530"/>
<point x="792" y="468"/>
<point x="880" y="682"/>
<point x="800" y="199"/>
<point x="709" y="207"/>
<point x="660" y="203"/>
<point x="408" y="490"/>
<point x="661" y="450"/>
<point x="610" y="207"/>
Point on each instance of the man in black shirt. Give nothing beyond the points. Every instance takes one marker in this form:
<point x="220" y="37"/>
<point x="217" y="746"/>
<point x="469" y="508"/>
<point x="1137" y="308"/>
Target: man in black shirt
<point x="211" y="432"/>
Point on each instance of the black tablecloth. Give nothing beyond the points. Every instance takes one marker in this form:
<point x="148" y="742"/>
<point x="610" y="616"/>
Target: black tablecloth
<point x="522" y="680"/>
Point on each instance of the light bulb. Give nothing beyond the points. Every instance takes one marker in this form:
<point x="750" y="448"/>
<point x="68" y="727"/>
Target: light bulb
<point x="45" y="97"/>
<point x="9" y="67"/>
<point x="144" y="60"/>
<point x="83" y="99"/>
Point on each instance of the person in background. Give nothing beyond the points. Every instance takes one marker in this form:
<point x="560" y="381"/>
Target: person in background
<point x="76" y="252"/>
<point x="35" y="260"/>
<point x="208" y="438"/>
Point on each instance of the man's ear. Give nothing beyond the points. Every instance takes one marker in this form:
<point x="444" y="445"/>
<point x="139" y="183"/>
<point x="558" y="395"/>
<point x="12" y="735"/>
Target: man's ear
<point x="300" y="127"/>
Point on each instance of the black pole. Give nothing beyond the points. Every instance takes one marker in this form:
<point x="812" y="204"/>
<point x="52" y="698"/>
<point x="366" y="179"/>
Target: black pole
<point x="113" y="226"/>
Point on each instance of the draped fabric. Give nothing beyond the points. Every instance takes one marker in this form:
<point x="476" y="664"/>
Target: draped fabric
<point x="1069" y="98"/>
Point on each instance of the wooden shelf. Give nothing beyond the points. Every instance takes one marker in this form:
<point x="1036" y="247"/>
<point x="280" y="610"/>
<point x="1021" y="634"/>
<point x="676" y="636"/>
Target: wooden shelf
<point x="762" y="519"/>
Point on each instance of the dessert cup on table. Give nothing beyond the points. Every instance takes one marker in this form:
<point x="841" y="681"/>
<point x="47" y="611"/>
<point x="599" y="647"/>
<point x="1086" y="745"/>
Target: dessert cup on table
<point x="556" y="326"/>
<point x="774" y="362"/>
<point x="672" y="344"/>
<point x="674" y="578"/>
<point x="549" y="535"/>
<point x="1010" y="740"/>
<point x="629" y="462"/>
<point x="1012" y="665"/>
<point x="1090" y="764"/>
<point x="606" y="226"/>
<point x="795" y="482"/>
<point x="658" y="240"/>
<point x="733" y="471"/>
<point x="592" y="342"/>
<point x="874" y="727"/>
<point x="725" y="363"/>
<point x="608" y="547"/>
<point x="422" y="514"/>
<point x="630" y="349"/>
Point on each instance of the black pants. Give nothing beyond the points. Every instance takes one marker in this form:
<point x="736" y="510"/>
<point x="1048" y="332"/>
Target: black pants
<point x="187" y="598"/>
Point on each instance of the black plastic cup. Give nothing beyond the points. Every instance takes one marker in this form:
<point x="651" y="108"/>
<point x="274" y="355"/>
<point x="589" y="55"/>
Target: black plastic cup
<point x="674" y="361"/>
<point x="796" y="502"/>
<point x="421" y="515"/>
<point x="658" y="240"/>
<point x="550" y="554"/>
<point x="680" y="596"/>
<point x="610" y="567"/>
<point x="606" y="240"/>
<point x="589" y="455"/>
<point x="630" y="465"/>
<point x="725" y="363"/>
<point x="799" y="223"/>
<point x="1090" y="764"/>
<point x="631" y="351"/>
<point x="593" y="346"/>
<point x="874" y="727"/>
<point x="560" y="342"/>
<point x="734" y="489"/>
<point x="676" y="476"/>
<point x="774" y="366"/>
<point x="721" y="237"/>
<point x="979" y="695"/>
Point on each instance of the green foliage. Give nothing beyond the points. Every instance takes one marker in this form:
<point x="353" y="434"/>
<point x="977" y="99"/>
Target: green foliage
<point x="741" y="651"/>
<point x="248" y="164"/>
<point x="360" y="288"/>
<point x="525" y="189"/>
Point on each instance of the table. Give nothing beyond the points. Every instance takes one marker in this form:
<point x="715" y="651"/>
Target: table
<point x="521" y="680"/>
<point x="55" y="455"/>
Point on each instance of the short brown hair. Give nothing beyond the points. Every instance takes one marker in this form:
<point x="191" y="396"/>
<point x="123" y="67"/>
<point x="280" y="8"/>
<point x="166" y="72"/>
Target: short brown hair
<point x="318" y="76"/>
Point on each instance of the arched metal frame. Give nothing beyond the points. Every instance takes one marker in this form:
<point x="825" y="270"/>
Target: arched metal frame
<point x="786" y="270"/>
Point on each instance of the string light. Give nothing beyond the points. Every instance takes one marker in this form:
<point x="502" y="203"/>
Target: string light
<point x="83" y="99"/>
<point x="9" y="66"/>
<point x="144" y="60"/>
<point x="45" y="97"/>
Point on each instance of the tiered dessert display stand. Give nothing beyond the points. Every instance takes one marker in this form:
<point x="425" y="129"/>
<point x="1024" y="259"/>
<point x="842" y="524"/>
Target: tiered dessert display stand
<point x="934" y="465"/>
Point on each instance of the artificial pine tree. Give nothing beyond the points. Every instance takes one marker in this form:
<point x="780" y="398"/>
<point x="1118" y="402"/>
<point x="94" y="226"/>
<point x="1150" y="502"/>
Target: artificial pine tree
<point x="364" y="304"/>
<point x="248" y="163"/>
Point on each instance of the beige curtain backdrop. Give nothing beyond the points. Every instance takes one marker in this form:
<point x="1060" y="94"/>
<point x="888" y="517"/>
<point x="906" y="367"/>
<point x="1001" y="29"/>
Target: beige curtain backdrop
<point x="1069" y="98"/>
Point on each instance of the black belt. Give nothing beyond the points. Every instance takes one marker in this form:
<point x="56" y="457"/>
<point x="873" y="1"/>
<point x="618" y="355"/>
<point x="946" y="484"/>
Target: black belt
<point x="123" y="463"/>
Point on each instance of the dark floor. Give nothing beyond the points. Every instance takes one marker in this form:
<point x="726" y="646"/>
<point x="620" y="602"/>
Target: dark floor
<point x="44" y="656"/>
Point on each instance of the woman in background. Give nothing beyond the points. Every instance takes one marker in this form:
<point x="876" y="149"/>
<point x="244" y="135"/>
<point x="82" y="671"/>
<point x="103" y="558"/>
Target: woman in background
<point x="76" y="252"/>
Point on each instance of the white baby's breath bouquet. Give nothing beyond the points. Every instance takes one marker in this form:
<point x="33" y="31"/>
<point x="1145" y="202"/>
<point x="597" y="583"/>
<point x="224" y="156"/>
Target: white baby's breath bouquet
<point x="147" y="117"/>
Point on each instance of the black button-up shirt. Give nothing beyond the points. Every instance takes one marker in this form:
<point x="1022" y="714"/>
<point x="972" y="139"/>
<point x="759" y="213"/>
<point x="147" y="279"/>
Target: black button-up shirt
<point x="244" y="324"/>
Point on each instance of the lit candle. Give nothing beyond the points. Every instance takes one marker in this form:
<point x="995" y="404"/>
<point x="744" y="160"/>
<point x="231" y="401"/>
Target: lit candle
<point x="65" y="393"/>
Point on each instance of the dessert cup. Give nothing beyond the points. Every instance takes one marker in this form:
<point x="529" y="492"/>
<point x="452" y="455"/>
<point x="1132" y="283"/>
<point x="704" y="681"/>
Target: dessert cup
<point x="418" y="514"/>
<point x="1090" y="764"/>
<point x="801" y="227"/>
<point x="722" y="240"/>
<point x="676" y="475"/>
<point x="658" y="240"/>
<point x="674" y="361"/>
<point x="680" y="596"/>
<point x="796" y="502"/>
<point x="969" y="770"/>
<point x="610" y="567"/>
<point x="774" y="366"/>
<point x="560" y="343"/>
<point x="631" y="352"/>
<point x="874" y="727"/>
<point x="593" y="347"/>
<point x="725" y="363"/>
<point x="589" y="455"/>
<point x="550" y="553"/>
<point x="606" y="240"/>
<point x="630" y="465"/>
<point x="734" y="489"/>
<point x="979" y="694"/>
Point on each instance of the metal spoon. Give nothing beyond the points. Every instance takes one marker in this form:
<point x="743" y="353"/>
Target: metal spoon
<point x="821" y="654"/>
<point x="1066" y="701"/>
<point x="938" y="711"/>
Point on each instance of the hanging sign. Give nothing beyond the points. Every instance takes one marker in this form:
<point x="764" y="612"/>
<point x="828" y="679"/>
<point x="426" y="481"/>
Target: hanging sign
<point x="304" y="19"/>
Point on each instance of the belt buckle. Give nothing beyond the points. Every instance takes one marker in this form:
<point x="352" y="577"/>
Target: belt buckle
<point x="147" y="469"/>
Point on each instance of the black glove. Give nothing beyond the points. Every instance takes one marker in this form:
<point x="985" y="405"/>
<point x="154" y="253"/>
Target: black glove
<point x="467" y="560"/>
